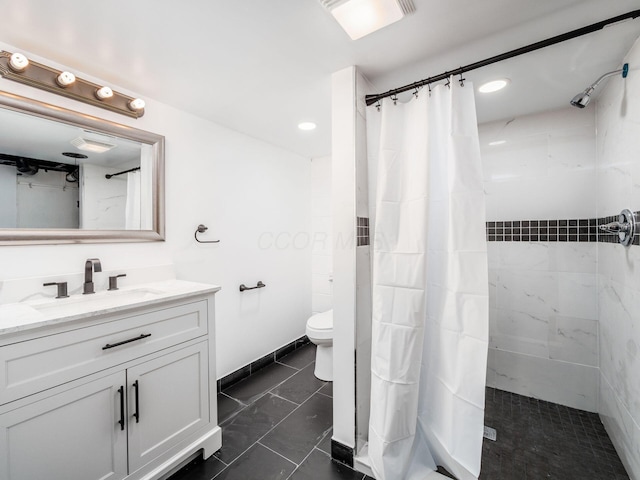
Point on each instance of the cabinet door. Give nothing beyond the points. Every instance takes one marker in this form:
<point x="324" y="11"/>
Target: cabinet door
<point x="74" y="435"/>
<point x="168" y="401"/>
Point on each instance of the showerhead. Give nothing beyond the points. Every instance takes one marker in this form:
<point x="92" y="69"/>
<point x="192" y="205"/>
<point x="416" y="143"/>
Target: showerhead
<point x="582" y="99"/>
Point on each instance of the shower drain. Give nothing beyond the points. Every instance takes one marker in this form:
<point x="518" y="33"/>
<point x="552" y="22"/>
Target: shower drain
<point x="490" y="433"/>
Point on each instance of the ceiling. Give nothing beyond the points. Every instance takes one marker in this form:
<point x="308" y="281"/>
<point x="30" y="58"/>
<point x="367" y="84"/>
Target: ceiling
<point x="261" y="67"/>
<point x="33" y="137"/>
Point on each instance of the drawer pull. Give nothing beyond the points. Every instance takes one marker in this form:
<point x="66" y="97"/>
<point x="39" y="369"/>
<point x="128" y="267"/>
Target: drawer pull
<point x="111" y="345"/>
<point x="121" y="421"/>
<point x="137" y="414"/>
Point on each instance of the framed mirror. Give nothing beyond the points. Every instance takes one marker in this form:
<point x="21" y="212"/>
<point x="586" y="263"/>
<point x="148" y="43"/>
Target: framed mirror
<point x="67" y="177"/>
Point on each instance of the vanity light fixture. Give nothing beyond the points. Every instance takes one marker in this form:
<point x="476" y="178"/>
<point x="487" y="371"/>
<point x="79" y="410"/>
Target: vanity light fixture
<point x="307" y="126"/>
<point x="65" y="79"/>
<point x="104" y="93"/>
<point x="361" y="17"/>
<point x="17" y="67"/>
<point x="136" y="104"/>
<point x="18" y="62"/>
<point x="494" y="85"/>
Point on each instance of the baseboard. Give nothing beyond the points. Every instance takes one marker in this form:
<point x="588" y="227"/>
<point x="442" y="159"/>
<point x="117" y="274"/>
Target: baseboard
<point x="255" y="366"/>
<point x="341" y="453"/>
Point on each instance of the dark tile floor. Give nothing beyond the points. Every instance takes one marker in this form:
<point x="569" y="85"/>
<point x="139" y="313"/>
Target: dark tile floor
<point x="538" y="439"/>
<point x="276" y="425"/>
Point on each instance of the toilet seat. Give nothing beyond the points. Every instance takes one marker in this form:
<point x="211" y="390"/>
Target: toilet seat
<point x="320" y="332"/>
<point x="320" y="326"/>
<point x="321" y="321"/>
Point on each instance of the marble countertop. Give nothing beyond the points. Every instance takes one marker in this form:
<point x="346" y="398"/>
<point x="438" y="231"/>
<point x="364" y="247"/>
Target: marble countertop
<point x="17" y="317"/>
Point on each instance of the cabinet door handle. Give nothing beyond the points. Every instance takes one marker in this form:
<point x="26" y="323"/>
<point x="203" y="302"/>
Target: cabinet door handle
<point x="137" y="414"/>
<point x="135" y="339"/>
<point x="121" y="421"/>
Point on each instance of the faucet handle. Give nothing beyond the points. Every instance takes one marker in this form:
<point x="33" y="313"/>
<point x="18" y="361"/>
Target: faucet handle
<point x="113" y="281"/>
<point x="62" y="288"/>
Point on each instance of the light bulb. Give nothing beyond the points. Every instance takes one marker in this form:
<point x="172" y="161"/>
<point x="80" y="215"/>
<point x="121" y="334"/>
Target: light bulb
<point x="104" y="93"/>
<point x="65" y="79"/>
<point x="18" y="62"/>
<point x="136" y="104"/>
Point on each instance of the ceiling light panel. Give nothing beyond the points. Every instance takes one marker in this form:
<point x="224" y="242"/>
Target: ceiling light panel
<point x="362" y="17"/>
<point x="91" y="145"/>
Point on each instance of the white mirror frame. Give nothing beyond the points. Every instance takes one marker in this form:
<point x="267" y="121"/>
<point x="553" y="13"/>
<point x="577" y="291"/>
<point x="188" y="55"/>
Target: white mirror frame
<point x="43" y="236"/>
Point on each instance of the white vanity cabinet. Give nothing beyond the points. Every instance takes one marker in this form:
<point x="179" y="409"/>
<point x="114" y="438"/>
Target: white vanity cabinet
<point x="121" y="396"/>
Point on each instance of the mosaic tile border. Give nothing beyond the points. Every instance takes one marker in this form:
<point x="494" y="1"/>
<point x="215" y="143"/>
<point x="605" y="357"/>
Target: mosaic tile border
<point x="569" y="230"/>
<point x="362" y="231"/>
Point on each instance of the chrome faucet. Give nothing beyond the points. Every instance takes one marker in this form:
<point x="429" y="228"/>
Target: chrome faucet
<point x="91" y="265"/>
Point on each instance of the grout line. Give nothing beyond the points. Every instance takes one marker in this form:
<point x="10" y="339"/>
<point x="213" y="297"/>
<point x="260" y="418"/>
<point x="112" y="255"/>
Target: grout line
<point x="272" y="428"/>
<point x="279" y="454"/>
<point x="260" y="395"/>
<point x="301" y="462"/>
<point x="277" y="424"/>
<point x="233" y="398"/>
<point x="278" y="396"/>
<point x="325" y="395"/>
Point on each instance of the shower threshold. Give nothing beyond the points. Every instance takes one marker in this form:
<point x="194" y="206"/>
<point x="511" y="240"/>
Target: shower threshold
<point x="362" y="464"/>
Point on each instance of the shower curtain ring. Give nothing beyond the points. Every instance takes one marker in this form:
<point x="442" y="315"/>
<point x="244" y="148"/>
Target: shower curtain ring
<point x="448" y="84"/>
<point x="395" y="99"/>
<point x="415" y="94"/>
<point x="378" y="105"/>
<point x="461" y="79"/>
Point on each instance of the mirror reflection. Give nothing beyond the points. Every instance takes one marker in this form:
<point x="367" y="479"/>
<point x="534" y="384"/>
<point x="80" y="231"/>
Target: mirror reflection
<point x="60" y="176"/>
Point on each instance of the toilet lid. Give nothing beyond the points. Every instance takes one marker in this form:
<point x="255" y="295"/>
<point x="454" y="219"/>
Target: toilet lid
<point x="321" y="321"/>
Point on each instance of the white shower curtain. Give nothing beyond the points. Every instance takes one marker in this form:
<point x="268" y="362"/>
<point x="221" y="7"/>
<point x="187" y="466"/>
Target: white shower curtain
<point x="132" y="206"/>
<point x="430" y="289"/>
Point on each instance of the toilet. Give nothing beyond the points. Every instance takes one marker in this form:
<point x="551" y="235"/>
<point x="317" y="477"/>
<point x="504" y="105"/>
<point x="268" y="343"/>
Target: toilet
<point x="320" y="331"/>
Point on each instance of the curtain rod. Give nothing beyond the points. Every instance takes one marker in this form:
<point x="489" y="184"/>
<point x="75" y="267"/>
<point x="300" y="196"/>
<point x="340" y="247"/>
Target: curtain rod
<point x="371" y="99"/>
<point x="120" y="173"/>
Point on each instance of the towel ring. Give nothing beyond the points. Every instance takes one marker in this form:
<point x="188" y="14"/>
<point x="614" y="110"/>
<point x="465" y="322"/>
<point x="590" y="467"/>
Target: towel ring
<point x="201" y="229"/>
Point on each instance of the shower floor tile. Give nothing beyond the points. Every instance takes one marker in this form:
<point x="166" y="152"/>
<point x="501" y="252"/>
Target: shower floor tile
<point x="538" y="439"/>
<point x="276" y="425"/>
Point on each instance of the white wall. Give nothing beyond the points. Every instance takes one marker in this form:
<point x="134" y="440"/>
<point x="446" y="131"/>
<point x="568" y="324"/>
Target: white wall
<point x="245" y="190"/>
<point x="618" y="122"/>
<point x="543" y="330"/>
<point x="321" y="246"/>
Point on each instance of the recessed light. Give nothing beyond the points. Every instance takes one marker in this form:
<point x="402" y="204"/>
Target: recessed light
<point x="307" y="126"/>
<point x="494" y="85"/>
<point x="497" y="142"/>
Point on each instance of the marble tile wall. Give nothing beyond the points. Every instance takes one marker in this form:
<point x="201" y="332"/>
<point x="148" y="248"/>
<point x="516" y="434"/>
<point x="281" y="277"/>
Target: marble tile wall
<point x="543" y="310"/>
<point x="618" y="167"/>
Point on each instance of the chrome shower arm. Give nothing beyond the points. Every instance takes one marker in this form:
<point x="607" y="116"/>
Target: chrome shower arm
<point x="606" y="75"/>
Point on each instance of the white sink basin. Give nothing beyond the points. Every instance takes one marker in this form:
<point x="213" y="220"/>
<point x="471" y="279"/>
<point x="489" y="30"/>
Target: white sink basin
<point x="97" y="301"/>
